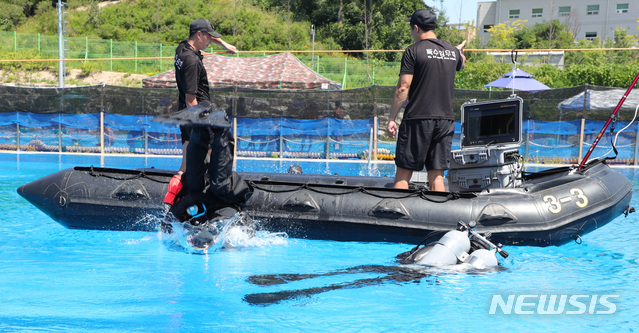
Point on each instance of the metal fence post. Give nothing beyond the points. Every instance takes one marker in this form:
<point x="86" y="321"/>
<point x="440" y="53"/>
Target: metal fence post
<point x="345" y="70"/>
<point x="59" y="137"/>
<point x="17" y="137"/>
<point x="146" y="142"/>
<point x="86" y="49"/>
<point x="328" y="138"/>
<point x="375" y="130"/>
<point x="581" y="137"/>
<point x="370" y="148"/>
<point x="111" y="55"/>
<point x="101" y="132"/>
<point x="281" y="140"/>
<point x="235" y="142"/>
<point x="136" y="56"/>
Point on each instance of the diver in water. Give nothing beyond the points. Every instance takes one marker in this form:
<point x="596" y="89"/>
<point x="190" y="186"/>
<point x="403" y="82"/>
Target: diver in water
<point x="209" y="188"/>
<point x="471" y="253"/>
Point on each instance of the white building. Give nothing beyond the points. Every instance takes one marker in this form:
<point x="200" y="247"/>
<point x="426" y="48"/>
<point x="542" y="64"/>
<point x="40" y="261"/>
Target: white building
<point x="587" y="19"/>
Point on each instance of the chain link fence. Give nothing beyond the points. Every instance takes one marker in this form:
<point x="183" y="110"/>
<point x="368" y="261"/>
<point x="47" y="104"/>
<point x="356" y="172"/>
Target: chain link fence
<point x="346" y="124"/>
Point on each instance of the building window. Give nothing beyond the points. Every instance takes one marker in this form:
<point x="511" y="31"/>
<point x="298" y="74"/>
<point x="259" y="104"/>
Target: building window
<point x="592" y="10"/>
<point x="564" y="11"/>
<point x="487" y="26"/>
<point x="513" y="13"/>
<point x="622" y="8"/>
<point x="537" y="12"/>
<point x="591" y="35"/>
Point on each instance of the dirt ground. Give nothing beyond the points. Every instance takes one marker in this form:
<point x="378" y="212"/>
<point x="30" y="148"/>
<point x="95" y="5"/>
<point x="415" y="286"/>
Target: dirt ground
<point x="74" y="77"/>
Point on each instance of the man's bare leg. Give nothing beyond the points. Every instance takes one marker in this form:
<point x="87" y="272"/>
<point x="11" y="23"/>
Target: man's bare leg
<point x="436" y="180"/>
<point x="402" y="178"/>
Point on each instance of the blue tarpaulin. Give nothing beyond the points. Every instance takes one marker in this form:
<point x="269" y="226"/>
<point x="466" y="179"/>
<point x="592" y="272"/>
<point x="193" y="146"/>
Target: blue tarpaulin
<point x="600" y="100"/>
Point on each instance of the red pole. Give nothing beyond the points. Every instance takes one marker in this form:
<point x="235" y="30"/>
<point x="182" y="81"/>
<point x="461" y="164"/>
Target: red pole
<point x="603" y="130"/>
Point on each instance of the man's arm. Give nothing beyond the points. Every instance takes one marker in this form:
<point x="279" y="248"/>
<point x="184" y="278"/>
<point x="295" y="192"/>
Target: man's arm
<point x="460" y="47"/>
<point x="228" y="47"/>
<point x="191" y="99"/>
<point x="399" y="98"/>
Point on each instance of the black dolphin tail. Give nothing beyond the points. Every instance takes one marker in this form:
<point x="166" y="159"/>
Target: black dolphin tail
<point x="396" y="274"/>
<point x="275" y="279"/>
<point x="264" y="299"/>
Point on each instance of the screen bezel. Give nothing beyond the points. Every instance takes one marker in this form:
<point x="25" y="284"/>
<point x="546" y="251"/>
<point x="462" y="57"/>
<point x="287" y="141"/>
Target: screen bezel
<point x="469" y="110"/>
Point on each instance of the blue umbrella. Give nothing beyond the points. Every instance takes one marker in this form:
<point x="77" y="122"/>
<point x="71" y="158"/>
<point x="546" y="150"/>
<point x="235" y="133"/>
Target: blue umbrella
<point x="518" y="80"/>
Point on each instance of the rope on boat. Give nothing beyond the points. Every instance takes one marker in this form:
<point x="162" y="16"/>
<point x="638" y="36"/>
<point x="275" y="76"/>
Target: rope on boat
<point x="422" y="193"/>
<point x="140" y="174"/>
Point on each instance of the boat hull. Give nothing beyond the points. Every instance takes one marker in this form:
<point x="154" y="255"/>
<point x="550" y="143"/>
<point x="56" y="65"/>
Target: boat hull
<point x="551" y="208"/>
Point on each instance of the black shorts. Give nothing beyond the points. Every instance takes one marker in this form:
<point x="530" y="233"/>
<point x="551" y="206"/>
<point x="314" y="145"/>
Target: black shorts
<point x="185" y="132"/>
<point x="424" y="143"/>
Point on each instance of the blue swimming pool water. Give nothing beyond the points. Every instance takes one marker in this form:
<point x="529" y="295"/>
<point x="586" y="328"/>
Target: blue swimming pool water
<point x="56" y="279"/>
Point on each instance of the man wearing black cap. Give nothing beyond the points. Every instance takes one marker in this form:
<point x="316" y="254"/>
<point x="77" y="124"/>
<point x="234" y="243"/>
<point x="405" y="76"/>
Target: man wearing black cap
<point x="207" y="184"/>
<point x="426" y="79"/>
<point x="190" y="74"/>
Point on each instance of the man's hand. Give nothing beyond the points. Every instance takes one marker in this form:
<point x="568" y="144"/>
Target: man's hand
<point x="392" y="128"/>
<point x="399" y="100"/>
<point x="230" y="49"/>
<point x="461" y="51"/>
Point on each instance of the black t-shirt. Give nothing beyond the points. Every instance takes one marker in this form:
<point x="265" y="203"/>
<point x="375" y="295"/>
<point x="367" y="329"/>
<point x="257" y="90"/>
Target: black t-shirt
<point x="433" y="64"/>
<point x="190" y="74"/>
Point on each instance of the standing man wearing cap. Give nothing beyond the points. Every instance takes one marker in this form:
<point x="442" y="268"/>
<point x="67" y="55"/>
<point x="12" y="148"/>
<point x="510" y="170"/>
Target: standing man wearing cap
<point x="197" y="181"/>
<point x="426" y="79"/>
<point x="190" y="74"/>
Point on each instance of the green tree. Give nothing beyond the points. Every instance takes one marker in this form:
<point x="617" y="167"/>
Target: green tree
<point x="586" y="57"/>
<point x="621" y="39"/>
<point x="14" y="12"/>
<point x="552" y="35"/>
<point x="503" y="35"/>
<point x="444" y="31"/>
<point x="476" y="74"/>
<point x="366" y="24"/>
<point x="549" y="75"/>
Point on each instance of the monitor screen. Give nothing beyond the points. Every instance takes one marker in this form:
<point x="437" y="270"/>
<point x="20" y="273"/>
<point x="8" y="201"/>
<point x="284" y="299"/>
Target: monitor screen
<point x="491" y="123"/>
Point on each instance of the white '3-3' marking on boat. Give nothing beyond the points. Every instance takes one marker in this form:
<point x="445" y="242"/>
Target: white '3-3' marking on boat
<point x="565" y="199"/>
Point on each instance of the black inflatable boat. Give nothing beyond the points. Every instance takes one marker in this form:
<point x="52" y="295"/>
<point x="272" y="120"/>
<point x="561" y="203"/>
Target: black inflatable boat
<point x="547" y="208"/>
<point x="486" y="185"/>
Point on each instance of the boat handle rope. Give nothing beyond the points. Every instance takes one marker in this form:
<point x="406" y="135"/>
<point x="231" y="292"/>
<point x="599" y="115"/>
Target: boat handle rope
<point x="629" y="209"/>
<point x="141" y="174"/>
<point x="306" y="186"/>
<point x="254" y="185"/>
<point x="423" y="194"/>
<point x="577" y="239"/>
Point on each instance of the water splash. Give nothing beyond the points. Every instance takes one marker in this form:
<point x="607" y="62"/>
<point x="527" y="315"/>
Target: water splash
<point x="239" y="231"/>
<point x="369" y="169"/>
